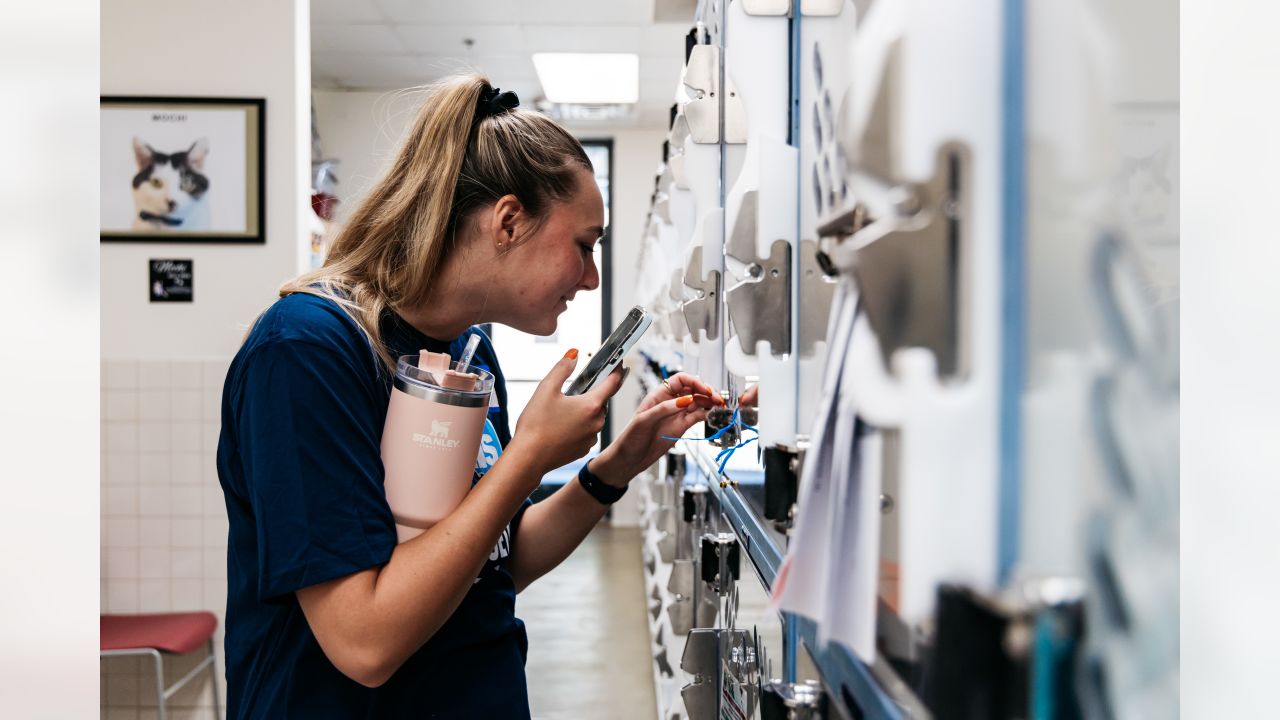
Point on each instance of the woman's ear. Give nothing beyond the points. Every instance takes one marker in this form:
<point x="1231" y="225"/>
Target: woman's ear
<point x="508" y="219"/>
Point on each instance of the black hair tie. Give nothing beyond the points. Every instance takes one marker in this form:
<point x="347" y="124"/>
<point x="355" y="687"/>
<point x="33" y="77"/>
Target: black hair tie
<point x="493" y="101"/>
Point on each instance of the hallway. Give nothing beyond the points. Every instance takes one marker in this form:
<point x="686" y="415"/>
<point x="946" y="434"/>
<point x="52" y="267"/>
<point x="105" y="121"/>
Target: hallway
<point x="589" y="651"/>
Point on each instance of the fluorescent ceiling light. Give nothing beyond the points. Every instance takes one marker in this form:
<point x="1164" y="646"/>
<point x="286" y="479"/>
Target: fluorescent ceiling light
<point x="589" y="78"/>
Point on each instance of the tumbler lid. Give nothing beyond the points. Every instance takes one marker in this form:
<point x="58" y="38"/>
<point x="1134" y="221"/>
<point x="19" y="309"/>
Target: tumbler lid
<point x="469" y="389"/>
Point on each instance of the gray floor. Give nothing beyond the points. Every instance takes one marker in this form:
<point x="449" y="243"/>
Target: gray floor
<point x="588" y="641"/>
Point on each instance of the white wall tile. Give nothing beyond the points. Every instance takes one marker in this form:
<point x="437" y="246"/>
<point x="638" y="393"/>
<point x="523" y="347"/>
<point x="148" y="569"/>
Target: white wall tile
<point x="154" y="563"/>
<point x="186" y="533"/>
<point x="210" y="436"/>
<point x="120" y="405"/>
<point x="163" y="523"/>
<point x="186" y="564"/>
<point x="153" y="375"/>
<point x="215" y="505"/>
<point x="153" y="437"/>
<point x="123" y="596"/>
<point x="154" y="405"/>
<point x="120" y="437"/>
<point x="122" y="500"/>
<point x="187" y="468"/>
<point x="155" y="501"/>
<point x="186" y="436"/>
<point x="154" y="469"/>
<point x="120" y="468"/>
<point x="154" y="532"/>
<point x="210" y="470"/>
<point x="121" y="665"/>
<point x="122" y="532"/>
<point x="187" y="501"/>
<point x="122" y="690"/>
<point x="215" y="564"/>
<point x="188" y="594"/>
<point x="153" y="595"/>
<point x="146" y="688"/>
<point x="185" y="703"/>
<point x="211" y="408"/>
<point x="185" y="374"/>
<point x="215" y="599"/>
<point x="185" y="405"/>
<point x="147" y="699"/>
<point x="122" y="564"/>
<point x="120" y="374"/>
<point x="214" y="372"/>
<point x="215" y="531"/>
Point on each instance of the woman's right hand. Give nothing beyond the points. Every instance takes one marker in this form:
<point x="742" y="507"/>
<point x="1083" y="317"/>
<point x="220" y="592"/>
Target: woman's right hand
<point x="556" y="429"/>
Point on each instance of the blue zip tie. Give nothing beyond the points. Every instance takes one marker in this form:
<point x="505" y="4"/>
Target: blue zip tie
<point x="735" y="420"/>
<point x="732" y="421"/>
<point x="727" y="453"/>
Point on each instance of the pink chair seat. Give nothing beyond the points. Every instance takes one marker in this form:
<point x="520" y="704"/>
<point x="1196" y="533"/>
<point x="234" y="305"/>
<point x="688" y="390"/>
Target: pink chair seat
<point x="177" y="633"/>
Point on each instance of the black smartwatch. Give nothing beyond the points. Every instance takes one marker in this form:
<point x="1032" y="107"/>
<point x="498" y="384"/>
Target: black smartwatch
<point x="604" y="493"/>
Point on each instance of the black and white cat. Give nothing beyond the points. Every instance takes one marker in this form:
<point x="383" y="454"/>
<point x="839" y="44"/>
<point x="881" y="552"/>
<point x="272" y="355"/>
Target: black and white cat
<point x="170" y="190"/>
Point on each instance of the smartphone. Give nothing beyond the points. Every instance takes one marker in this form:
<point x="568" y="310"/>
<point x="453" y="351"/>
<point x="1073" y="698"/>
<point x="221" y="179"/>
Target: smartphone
<point x="611" y="353"/>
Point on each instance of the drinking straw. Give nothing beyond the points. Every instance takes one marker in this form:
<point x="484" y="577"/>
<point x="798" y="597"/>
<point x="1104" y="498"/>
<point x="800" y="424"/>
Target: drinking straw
<point x="468" y="352"/>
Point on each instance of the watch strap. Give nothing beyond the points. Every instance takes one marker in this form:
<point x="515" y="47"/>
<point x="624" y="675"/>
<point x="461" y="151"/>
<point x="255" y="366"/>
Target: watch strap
<point x="604" y="493"/>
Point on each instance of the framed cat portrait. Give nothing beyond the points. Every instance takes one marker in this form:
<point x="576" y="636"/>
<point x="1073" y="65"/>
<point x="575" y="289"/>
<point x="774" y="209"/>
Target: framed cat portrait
<point x="183" y="169"/>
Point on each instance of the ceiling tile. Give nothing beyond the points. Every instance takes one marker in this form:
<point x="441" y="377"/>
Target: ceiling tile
<point x="664" y="39"/>
<point x="586" y="12"/>
<point x="375" y="82"/>
<point x="345" y="65"/>
<point x="447" y="39"/>
<point x="355" y="38"/>
<point x="452" y="12"/>
<point x="500" y="68"/>
<point x="675" y="10"/>
<point x="527" y="89"/>
<point x="344" y="11"/>
<point x="663" y="68"/>
<point x="584" y="39"/>
<point x="388" y="44"/>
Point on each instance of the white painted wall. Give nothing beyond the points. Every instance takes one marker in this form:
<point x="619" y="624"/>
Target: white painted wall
<point x="236" y="48"/>
<point x="164" y="524"/>
<point x="361" y="129"/>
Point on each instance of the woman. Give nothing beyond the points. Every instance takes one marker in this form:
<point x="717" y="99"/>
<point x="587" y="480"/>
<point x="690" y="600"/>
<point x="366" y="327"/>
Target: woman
<point x="487" y="214"/>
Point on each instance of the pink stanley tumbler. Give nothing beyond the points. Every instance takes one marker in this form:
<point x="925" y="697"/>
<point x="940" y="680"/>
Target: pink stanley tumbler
<point x="431" y="439"/>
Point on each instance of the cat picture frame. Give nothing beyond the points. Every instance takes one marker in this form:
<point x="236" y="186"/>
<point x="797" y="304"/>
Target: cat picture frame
<point x="183" y="169"/>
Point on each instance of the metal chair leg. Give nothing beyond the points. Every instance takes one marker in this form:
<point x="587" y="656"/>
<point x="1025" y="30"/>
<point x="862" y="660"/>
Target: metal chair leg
<point x="213" y="681"/>
<point x="160" y="714"/>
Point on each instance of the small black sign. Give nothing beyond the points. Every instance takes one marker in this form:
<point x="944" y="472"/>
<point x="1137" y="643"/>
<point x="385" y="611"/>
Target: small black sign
<point x="171" y="280"/>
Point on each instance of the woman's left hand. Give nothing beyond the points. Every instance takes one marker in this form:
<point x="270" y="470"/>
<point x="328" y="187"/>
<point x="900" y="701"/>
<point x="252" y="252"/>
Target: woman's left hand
<point x="669" y="410"/>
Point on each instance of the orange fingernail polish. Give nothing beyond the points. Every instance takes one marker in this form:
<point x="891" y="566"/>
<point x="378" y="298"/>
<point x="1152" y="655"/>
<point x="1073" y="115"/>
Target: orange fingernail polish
<point x="572" y="354"/>
<point x="684" y="401"/>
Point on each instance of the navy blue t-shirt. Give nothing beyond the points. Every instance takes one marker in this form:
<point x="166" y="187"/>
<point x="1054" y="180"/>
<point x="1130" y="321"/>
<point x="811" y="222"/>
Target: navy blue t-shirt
<point x="300" y="465"/>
